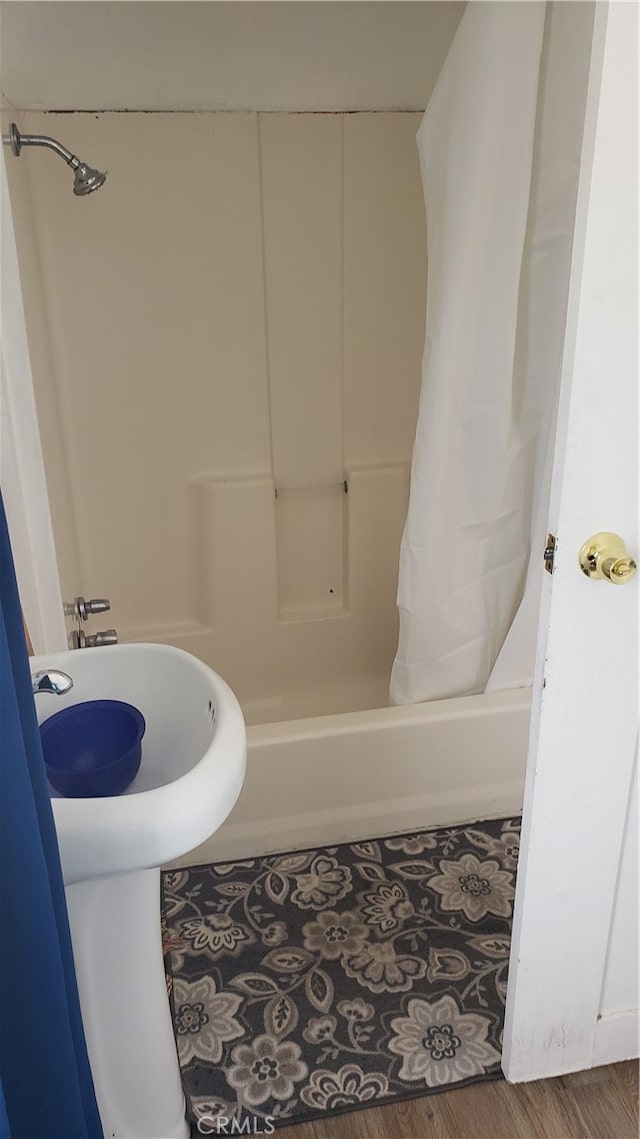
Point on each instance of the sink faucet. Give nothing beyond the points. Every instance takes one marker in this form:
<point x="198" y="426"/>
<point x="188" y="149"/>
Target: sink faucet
<point x="51" y="681"/>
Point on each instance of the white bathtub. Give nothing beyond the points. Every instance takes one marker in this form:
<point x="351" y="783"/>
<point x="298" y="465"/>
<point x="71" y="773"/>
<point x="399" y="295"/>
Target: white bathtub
<point x="357" y="775"/>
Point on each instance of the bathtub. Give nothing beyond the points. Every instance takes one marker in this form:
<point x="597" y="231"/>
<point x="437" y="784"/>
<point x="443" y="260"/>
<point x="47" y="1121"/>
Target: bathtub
<point x="358" y="775"/>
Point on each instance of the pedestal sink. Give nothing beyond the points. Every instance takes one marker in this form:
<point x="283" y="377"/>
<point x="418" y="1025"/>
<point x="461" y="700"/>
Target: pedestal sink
<point x="111" y="849"/>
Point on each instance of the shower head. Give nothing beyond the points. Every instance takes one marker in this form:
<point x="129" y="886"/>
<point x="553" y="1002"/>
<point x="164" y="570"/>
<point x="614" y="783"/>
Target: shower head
<point x="86" y="178"/>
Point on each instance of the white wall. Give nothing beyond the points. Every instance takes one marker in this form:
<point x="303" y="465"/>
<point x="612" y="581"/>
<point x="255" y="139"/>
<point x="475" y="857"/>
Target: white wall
<point x="225" y="56"/>
<point x="239" y="311"/>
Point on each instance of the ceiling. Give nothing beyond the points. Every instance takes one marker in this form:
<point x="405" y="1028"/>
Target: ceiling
<point x="192" y="56"/>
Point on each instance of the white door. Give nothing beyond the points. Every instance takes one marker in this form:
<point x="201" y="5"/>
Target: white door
<point x="576" y="909"/>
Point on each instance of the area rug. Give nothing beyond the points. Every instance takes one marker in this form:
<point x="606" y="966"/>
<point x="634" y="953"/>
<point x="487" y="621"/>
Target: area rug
<point x="325" y="980"/>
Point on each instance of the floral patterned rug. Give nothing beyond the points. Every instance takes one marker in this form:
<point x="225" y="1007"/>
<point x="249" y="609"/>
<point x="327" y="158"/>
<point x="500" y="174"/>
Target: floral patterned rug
<point x="325" y="980"/>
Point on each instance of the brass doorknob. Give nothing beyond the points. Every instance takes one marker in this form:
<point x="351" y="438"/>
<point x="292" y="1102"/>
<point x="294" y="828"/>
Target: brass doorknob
<point x="604" y="556"/>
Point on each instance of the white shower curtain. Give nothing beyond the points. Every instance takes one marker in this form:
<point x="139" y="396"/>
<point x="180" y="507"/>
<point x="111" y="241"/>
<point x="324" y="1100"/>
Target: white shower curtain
<point x="499" y="149"/>
<point x="22" y="473"/>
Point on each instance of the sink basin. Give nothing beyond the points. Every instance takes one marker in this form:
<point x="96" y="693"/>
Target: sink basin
<point x="193" y="758"/>
<point x="111" y="850"/>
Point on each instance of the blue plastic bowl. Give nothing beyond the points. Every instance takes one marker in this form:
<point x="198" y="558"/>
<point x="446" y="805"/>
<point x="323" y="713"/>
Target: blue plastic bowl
<point x="93" y="749"/>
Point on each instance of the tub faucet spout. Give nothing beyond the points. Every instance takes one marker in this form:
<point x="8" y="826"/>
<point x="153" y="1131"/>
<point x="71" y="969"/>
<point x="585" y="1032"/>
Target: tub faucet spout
<point x="51" y="681"/>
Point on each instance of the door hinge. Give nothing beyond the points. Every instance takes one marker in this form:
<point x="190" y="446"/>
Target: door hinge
<point x="550" y="552"/>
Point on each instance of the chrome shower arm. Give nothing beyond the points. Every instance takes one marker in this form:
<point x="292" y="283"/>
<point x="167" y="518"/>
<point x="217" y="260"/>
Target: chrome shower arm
<point x="17" y="141"/>
<point x="86" y="179"/>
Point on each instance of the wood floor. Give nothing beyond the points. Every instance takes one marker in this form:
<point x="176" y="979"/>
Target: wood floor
<point x="599" y="1104"/>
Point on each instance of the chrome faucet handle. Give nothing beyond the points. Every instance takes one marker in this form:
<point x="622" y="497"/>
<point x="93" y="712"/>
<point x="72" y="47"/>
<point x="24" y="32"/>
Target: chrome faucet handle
<point x="80" y="609"/>
<point x="78" y="639"/>
<point x="51" y="680"/>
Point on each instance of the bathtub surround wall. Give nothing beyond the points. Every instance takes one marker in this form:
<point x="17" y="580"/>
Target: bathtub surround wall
<point x="232" y="333"/>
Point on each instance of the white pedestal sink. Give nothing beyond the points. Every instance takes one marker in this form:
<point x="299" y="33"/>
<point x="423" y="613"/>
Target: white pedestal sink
<point x="111" y="849"/>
